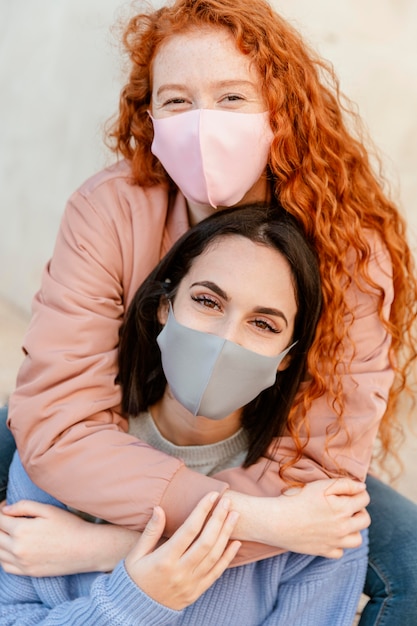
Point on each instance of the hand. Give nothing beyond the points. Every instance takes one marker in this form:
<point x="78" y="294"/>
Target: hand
<point x="323" y="518"/>
<point x="326" y="516"/>
<point x="42" y="540"/>
<point x="179" y="571"/>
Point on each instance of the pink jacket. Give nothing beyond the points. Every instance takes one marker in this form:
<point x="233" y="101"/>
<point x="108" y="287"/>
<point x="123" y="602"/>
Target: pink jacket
<point x="65" y="411"/>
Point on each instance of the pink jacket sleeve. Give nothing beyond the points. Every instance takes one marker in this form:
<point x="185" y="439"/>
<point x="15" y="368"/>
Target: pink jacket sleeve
<point x="64" y="413"/>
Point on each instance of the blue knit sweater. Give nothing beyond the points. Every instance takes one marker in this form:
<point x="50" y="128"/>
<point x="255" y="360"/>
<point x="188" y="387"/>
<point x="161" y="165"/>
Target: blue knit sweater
<point x="290" y="589"/>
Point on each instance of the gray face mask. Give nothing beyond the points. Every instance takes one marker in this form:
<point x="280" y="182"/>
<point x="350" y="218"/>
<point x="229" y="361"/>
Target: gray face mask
<point x="211" y="376"/>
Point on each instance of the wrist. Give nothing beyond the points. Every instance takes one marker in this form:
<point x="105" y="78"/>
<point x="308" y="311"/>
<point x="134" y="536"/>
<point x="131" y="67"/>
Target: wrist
<point x="113" y="545"/>
<point x="259" y="518"/>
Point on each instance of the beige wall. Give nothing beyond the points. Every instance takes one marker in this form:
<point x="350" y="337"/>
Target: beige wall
<point x="373" y="47"/>
<point x="60" y="78"/>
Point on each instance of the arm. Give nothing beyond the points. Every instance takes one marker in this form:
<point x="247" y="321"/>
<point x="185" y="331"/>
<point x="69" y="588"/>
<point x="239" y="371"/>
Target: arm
<point x="85" y="598"/>
<point x="183" y="567"/>
<point x="324" y="519"/>
<point x="44" y="540"/>
<point x="65" y="411"/>
<point x="150" y="588"/>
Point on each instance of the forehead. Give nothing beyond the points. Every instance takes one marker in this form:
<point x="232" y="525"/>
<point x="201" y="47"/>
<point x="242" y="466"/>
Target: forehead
<point x="199" y="52"/>
<point x="241" y="265"/>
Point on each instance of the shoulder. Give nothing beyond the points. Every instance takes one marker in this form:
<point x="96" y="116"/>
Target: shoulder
<point x="113" y="190"/>
<point x="117" y="174"/>
<point x="115" y="183"/>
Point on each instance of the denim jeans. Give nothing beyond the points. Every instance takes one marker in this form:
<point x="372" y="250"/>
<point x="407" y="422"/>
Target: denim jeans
<point x="391" y="581"/>
<point x="7" y="448"/>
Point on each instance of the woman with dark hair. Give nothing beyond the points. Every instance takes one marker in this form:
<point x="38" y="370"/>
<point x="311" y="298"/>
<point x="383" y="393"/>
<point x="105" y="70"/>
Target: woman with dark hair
<point x="225" y="104"/>
<point x="140" y="368"/>
<point x="233" y="307"/>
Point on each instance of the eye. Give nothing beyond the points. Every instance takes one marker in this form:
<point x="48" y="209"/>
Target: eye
<point x="206" y="301"/>
<point x="176" y="104"/>
<point x="232" y="97"/>
<point x="267" y="326"/>
<point x="174" y="101"/>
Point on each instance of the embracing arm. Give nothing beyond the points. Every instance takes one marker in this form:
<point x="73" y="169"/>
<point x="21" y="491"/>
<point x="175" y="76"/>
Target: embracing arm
<point x="324" y="518"/>
<point x="64" y="413"/>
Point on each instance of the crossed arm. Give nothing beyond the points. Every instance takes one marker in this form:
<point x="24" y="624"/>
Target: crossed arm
<point x="323" y="518"/>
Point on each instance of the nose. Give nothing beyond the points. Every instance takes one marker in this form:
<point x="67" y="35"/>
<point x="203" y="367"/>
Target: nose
<point x="204" y="102"/>
<point x="232" y="332"/>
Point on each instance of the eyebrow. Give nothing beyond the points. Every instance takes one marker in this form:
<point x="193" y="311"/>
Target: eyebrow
<point x="213" y="287"/>
<point x="263" y="310"/>
<point x="221" y="83"/>
<point x="168" y="87"/>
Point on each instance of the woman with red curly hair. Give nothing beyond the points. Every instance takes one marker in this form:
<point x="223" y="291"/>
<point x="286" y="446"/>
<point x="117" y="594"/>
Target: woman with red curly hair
<point x="225" y="105"/>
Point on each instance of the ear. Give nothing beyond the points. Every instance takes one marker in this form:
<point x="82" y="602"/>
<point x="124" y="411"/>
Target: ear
<point x="163" y="310"/>
<point x="284" y="363"/>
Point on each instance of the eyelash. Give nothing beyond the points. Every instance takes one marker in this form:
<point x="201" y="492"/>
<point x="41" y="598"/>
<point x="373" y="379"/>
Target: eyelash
<point x="211" y="303"/>
<point x="233" y="97"/>
<point x="268" y="327"/>
<point x="204" y="300"/>
<point x="174" y="101"/>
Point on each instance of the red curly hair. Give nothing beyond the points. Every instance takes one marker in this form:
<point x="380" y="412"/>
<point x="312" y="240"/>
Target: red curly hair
<point x="319" y="170"/>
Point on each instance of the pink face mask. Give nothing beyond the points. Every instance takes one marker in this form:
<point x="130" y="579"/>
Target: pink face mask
<point x="213" y="156"/>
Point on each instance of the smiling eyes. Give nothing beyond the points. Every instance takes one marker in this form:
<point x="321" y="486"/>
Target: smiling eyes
<point x="209" y="302"/>
<point x="173" y="101"/>
<point x="182" y="102"/>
